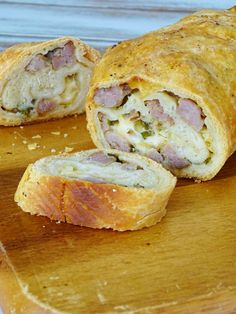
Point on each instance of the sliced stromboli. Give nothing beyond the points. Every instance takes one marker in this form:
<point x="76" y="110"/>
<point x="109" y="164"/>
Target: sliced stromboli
<point x="41" y="81"/>
<point x="170" y="95"/>
<point x="98" y="189"/>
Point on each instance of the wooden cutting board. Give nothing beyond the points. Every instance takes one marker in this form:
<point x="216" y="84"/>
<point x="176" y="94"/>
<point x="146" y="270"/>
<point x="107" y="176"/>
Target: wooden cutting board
<point x="185" y="264"/>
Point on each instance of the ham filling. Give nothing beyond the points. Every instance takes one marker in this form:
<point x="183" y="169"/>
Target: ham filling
<point x="48" y="83"/>
<point x="101" y="167"/>
<point x="164" y="127"/>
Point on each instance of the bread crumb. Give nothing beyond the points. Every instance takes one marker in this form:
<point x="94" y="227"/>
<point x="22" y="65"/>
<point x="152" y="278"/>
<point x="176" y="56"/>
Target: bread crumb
<point x="15" y="137"/>
<point x="44" y="146"/>
<point x="74" y="127"/>
<point x="24" y="142"/>
<point x="36" y="136"/>
<point x="44" y="226"/>
<point x="65" y="135"/>
<point x="32" y="146"/>
<point x="53" y="150"/>
<point x="68" y="149"/>
<point x="21" y="127"/>
<point x="114" y="190"/>
<point x="56" y="133"/>
<point x="13" y="144"/>
<point x="58" y="222"/>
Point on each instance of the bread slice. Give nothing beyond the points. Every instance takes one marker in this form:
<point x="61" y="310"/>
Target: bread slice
<point x="170" y="95"/>
<point x="97" y="189"/>
<point x="44" y="80"/>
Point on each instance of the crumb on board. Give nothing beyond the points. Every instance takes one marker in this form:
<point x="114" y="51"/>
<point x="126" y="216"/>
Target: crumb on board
<point x="24" y="142"/>
<point x="56" y="133"/>
<point x="36" y="136"/>
<point x="15" y="137"/>
<point x="13" y="144"/>
<point x="21" y="127"/>
<point x="53" y="150"/>
<point x="74" y="127"/>
<point x="114" y="190"/>
<point x="32" y="146"/>
<point x="65" y="134"/>
<point x="68" y="149"/>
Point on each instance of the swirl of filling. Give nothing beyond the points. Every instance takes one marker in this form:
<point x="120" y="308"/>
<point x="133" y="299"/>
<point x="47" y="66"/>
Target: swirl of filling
<point x="167" y="128"/>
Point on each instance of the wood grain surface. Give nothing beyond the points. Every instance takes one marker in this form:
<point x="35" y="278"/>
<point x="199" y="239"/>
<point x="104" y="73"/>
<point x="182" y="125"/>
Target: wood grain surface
<point x="185" y="264"/>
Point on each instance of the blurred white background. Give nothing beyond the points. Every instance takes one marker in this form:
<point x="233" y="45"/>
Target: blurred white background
<point x="98" y="22"/>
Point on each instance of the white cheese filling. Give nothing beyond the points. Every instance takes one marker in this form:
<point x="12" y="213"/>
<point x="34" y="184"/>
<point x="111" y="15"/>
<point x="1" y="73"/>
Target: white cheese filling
<point x="187" y="142"/>
<point x="74" y="167"/>
<point x="63" y="86"/>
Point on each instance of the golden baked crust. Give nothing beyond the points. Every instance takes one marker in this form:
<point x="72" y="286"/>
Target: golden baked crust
<point x="15" y="59"/>
<point x="194" y="58"/>
<point x="95" y="205"/>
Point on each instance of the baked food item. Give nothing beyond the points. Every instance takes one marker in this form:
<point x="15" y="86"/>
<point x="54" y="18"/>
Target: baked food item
<point x="44" y="80"/>
<point x="98" y="189"/>
<point x="170" y="95"/>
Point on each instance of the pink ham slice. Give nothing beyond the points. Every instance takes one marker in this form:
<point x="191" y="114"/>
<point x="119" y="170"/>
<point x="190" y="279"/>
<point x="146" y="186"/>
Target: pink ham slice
<point x="190" y="113"/>
<point x="155" y="155"/>
<point x="111" y="96"/>
<point x="172" y="158"/>
<point x="37" y="63"/>
<point x="45" y="105"/>
<point x="61" y="57"/>
<point x="117" y="141"/>
<point x="157" y="112"/>
<point x="102" y="158"/>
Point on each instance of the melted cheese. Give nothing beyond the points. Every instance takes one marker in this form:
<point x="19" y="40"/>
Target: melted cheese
<point x="188" y="143"/>
<point x="73" y="167"/>
<point x="62" y="86"/>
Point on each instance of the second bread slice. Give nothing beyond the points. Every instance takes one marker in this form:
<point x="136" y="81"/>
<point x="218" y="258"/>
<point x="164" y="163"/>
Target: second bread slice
<point x="98" y="189"/>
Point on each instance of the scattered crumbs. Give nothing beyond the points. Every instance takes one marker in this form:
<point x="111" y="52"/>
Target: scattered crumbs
<point x="15" y="137"/>
<point x="58" y="222"/>
<point x="60" y="152"/>
<point x="21" y="127"/>
<point x="68" y="149"/>
<point x="65" y="135"/>
<point x="44" y="226"/>
<point x="74" y="127"/>
<point x="32" y="146"/>
<point x="24" y="142"/>
<point x="53" y="150"/>
<point x="36" y="136"/>
<point x="101" y="297"/>
<point x="13" y="144"/>
<point x="54" y="278"/>
<point x="56" y="133"/>
<point x="114" y="190"/>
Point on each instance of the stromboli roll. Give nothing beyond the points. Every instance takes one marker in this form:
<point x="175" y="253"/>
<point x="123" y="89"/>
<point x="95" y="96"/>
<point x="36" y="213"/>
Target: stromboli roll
<point x="40" y="81"/>
<point x="170" y="95"/>
<point x="98" y="189"/>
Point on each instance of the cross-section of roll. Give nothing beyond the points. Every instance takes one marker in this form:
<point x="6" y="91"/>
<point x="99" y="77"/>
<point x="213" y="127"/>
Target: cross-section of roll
<point x="170" y="95"/>
<point x="41" y="81"/>
<point x="98" y="189"/>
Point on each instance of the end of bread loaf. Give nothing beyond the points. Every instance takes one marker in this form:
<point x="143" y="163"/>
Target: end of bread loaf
<point x="110" y="202"/>
<point x="45" y="80"/>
